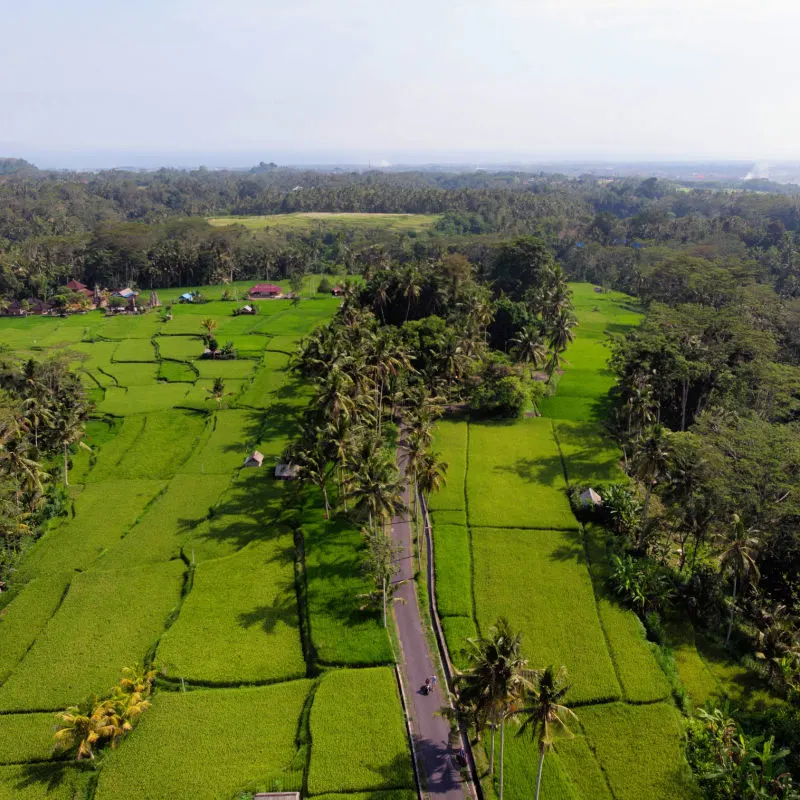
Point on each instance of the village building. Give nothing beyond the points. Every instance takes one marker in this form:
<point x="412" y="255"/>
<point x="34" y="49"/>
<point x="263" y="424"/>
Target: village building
<point x="255" y="459"/>
<point x="590" y="498"/>
<point x="263" y="290"/>
<point x="337" y="291"/>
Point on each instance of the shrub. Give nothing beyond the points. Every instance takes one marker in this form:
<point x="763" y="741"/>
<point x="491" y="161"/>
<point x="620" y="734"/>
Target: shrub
<point x="324" y="286"/>
<point x="499" y="397"/>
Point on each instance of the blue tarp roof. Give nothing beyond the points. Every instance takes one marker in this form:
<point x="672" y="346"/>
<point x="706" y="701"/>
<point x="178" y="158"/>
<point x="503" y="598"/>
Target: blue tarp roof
<point x="186" y="296"/>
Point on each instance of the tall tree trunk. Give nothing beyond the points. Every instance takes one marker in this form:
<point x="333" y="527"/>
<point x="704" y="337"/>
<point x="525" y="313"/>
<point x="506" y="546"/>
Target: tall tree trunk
<point x="643" y="521"/>
<point x="66" y="477"/>
<point x="384" y="602"/>
<point x="502" y="751"/>
<point x="491" y="752"/>
<point x="733" y="611"/>
<point x="341" y="487"/>
<point x="541" y="764"/>
<point x="684" y="400"/>
<point x="325" y="498"/>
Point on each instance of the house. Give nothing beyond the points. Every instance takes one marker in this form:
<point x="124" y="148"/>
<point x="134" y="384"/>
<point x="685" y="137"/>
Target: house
<point x="255" y="459"/>
<point x="36" y="306"/>
<point x="14" y="309"/>
<point x="286" y="472"/>
<point x="186" y="297"/>
<point x="126" y="294"/>
<point x="265" y="290"/>
<point x="244" y="310"/>
<point x="590" y="498"/>
<point x="81" y="288"/>
<point x="337" y="291"/>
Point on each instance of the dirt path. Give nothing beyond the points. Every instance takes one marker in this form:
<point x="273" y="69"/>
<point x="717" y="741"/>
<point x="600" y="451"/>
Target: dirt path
<point x="435" y="757"/>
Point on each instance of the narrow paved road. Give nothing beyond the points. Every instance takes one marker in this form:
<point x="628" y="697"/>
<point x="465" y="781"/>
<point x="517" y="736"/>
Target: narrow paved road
<point x="435" y="757"/>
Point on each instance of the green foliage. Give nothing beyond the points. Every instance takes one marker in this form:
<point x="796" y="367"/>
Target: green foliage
<point x="37" y="781"/>
<point x="590" y="456"/>
<point x="142" y="399"/>
<point x="354" y="748"/>
<point x="504" y="396"/>
<point x="456" y="631"/>
<point x="106" y="619"/>
<point x="181" y="348"/>
<point x="176" y="372"/>
<point x="450" y="438"/>
<point x="324" y="286"/>
<point x="134" y="350"/>
<point x="555" y="612"/>
<point x="253" y="637"/>
<point x="185" y="748"/>
<point x="232" y="435"/>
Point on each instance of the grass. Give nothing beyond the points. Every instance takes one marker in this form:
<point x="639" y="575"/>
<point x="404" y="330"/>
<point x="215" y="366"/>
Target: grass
<point x="450" y="440"/>
<point x="590" y="456"/>
<point x="521" y="769"/>
<point x="26" y="737"/>
<point x="391" y="794"/>
<point x="454" y="517"/>
<point x="314" y="220"/>
<point x="129" y="375"/>
<point x="164" y="443"/>
<point x="260" y="393"/>
<point x="654" y="733"/>
<point x="238" y="369"/>
<point x="37" y="781"/>
<point x="341" y="632"/>
<point x="107" y="621"/>
<point x="181" y="348"/>
<point x="103" y="512"/>
<point x="641" y="678"/>
<point x="232" y="435"/>
<point x="142" y="399"/>
<point x="516" y="478"/>
<point x="353" y="747"/>
<point x="539" y="581"/>
<point x="580" y="764"/>
<point x="167" y="523"/>
<point x="210" y="744"/>
<point x="453" y="570"/>
<point x="26" y="615"/>
<point x="135" y="350"/>
<point x="456" y="631"/>
<point x="254" y="636"/>
<point x="176" y="372"/>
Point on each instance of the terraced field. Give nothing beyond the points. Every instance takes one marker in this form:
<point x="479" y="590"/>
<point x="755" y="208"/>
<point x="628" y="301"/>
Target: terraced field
<point x="176" y="553"/>
<point x="507" y="544"/>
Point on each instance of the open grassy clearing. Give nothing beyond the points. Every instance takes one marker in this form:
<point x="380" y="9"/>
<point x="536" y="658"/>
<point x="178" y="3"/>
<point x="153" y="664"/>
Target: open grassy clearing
<point x="236" y="370"/>
<point x="640" y="750"/>
<point x="37" y="781"/>
<point x="539" y="581"/>
<point x="590" y="456"/>
<point x="181" y="348"/>
<point x="312" y="220"/>
<point x="456" y="631"/>
<point x="142" y="399"/>
<point x="166" y="524"/>
<point x="26" y="615"/>
<point x="522" y="764"/>
<point x="177" y="372"/>
<point x="187" y="746"/>
<point x="450" y="439"/>
<point x="26" y="737"/>
<point x="341" y="631"/>
<point x="516" y="478"/>
<point x="135" y="350"/>
<point x="77" y="542"/>
<point x="232" y="435"/>
<point x="254" y="636"/>
<point x="353" y="747"/>
<point x="453" y="571"/>
<point x="108" y="620"/>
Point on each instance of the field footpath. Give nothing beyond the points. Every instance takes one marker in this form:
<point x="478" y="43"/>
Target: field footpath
<point x="430" y="732"/>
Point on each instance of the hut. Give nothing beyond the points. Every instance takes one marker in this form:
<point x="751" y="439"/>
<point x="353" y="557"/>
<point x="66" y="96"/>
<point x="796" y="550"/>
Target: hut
<point x="286" y="471"/>
<point x="186" y="297"/>
<point x="255" y="459"/>
<point x="337" y="291"/>
<point x="265" y="290"/>
<point x="244" y="310"/>
<point x="590" y="498"/>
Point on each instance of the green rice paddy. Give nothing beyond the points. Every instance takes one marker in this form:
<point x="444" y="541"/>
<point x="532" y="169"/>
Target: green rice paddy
<point x="175" y="554"/>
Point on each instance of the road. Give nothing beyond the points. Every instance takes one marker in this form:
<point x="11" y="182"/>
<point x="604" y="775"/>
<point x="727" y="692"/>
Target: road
<point x="435" y="757"/>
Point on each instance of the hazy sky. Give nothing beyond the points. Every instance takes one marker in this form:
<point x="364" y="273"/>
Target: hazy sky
<point x="541" y="78"/>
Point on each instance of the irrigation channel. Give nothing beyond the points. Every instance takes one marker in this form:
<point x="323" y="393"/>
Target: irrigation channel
<point x="434" y="752"/>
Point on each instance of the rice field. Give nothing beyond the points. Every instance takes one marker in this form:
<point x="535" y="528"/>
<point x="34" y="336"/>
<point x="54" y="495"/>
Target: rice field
<point x="176" y="555"/>
<point x="308" y="221"/>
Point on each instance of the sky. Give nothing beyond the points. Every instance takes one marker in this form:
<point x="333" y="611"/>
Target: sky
<point x="310" y="81"/>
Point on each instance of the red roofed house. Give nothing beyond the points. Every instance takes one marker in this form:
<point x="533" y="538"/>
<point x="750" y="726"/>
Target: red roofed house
<point x="77" y="286"/>
<point x="265" y="290"/>
<point x="337" y="291"/>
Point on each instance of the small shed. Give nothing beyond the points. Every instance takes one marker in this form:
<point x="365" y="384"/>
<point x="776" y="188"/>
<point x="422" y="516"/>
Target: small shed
<point x="255" y="459"/>
<point x="598" y="289"/>
<point x="591" y="498"/>
<point x="277" y="796"/>
<point x="337" y="291"/>
<point x="286" y="471"/>
<point x="247" y="310"/>
<point x="265" y="290"/>
<point x="186" y="297"/>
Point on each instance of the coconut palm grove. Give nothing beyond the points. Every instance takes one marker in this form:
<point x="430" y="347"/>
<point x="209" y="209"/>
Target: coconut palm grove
<point x="270" y="457"/>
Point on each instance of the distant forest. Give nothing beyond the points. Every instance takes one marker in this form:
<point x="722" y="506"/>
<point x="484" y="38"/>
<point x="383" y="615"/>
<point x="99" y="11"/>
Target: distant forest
<point x="148" y="229"/>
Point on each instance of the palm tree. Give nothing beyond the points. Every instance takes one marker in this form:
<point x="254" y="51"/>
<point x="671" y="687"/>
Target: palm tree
<point x="380" y="564"/>
<point x="217" y="391"/>
<point x="209" y="325"/>
<point x="497" y="678"/>
<point x="561" y="331"/>
<point x="313" y="468"/>
<point x="530" y="346"/>
<point x="543" y="712"/>
<point x="414" y="447"/>
<point x="649" y="463"/>
<point x="37" y="413"/>
<point x="431" y="473"/>
<point x="69" y="424"/>
<point x="377" y="490"/>
<point x="738" y="560"/>
<point x="81" y="727"/>
<point x="412" y="287"/>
